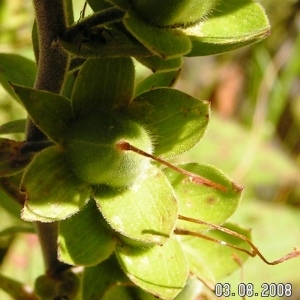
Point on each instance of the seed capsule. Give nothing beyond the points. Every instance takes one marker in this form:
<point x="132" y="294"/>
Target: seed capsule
<point x="93" y="153"/>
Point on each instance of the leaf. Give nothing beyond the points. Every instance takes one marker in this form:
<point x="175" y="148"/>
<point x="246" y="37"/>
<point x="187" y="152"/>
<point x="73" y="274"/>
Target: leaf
<point x="70" y="79"/>
<point x="16" y="126"/>
<point x="50" y="112"/>
<point x="232" y="24"/>
<point x="156" y="80"/>
<point x="23" y="248"/>
<point x="15" y="289"/>
<point x="203" y="202"/>
<point x="145" y="212"/>
<point x="100" y="279"/>
<point x="53" y="192"/>
<point x="85" y="238"/>
<point x="211" y="261"/>
<point x="123" y="4"/>
<point x="113" y="41"/>
<point x="160" y="270"/>
<point x="13" y="230"/>
<point x="268" y="166"/>
<point x="97" y="5"/>
<point x="10" y="194"/>
<point x="173" y="13"/>
<point x="12" y="160"/>
<point x="103" y="83"/>
<point x="18" y="70"/>
<point x="157" y="64"/>
<point x="164" y="42"/>
<point x="191" y="289"/>
<point x="176" y="120"/>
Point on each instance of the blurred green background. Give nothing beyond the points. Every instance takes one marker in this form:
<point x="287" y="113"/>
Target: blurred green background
<point x="253" y="136"/>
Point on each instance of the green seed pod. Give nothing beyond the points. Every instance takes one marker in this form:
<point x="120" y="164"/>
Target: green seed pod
<point x="170" y="13"/>
<point x="92" y="151"/>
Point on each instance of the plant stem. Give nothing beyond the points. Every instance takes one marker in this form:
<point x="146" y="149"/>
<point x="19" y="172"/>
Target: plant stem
<point x="52" y="67"/>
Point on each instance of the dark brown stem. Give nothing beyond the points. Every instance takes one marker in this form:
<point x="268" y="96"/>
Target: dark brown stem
<point x="52" y="61"/>
<point x="52" y="67"/>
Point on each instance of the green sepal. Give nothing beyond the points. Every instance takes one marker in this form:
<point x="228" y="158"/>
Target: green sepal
<point x="103" y="84"/>
<point x="145" y="212"/>
<point x="164" y="42"/>
<point x="50" y="112"/>
<point x="176" y="120"/>
<point x="53" y="193"/>
<point x="211" y="261"/>
<point x="111" y="41"/>
<point x="231" y="25"/>
<point x="70" y="80"/>
<point x="16" y="126"/>
<point x="99" y="280"/>
<point x="156" y="80"/>
<point x="158" y="64"/>
<point x="85" y="238"/>
<point x="203" y="202"/>
<point x="18" y="70"/>
<point x="12" y="161"/>
<point x="173" y="13"/>
<point x="160" y="270"/>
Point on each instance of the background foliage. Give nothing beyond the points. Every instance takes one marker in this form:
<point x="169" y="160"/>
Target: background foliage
<point x="253" y="136"/>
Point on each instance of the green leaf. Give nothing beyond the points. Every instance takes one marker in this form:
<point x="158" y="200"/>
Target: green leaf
<point x="157" y="64"/>
<point x="100" y="279"/>
<point x="26" y="248"/>
<point x="53" y="192"/>
<point x="85" y="238"/>
<point x="50" y="112"/>
<point x="97" y="5"/>
<point x="164" y="42"/>
<point x="18" y="70"/>
<point x="107" y="43"/>
<point x="160" y="270"/>
<point x="145" y="212"/>
<point x="156" y="80"/>
<point x="16" y="289"/>
<point x="232" y="24"/>
<point x="203" y="202"/>
<point x="191" y="289"/>
<point x="17" y="126"/>
<point x="9" y="192"/>
<point x="173" y="13"/>
<point x="103" y="83"/>
<point x="12" y="161"/>
<point x="176" y="120"/>
<point x="123" y="4"/>
<point x="70" y="80"/>
<point x="211" y="261"/>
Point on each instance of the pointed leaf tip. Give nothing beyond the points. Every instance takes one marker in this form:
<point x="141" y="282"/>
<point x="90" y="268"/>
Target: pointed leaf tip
<point x="50" y="112"/>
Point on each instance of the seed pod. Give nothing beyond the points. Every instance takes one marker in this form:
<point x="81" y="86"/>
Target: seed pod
<point x="93" y="153"/>
<point x="172" y="13"/>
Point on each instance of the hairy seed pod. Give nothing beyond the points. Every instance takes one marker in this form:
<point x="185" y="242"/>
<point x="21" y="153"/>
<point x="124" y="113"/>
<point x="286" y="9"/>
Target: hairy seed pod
<point x="92" y="151"/>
